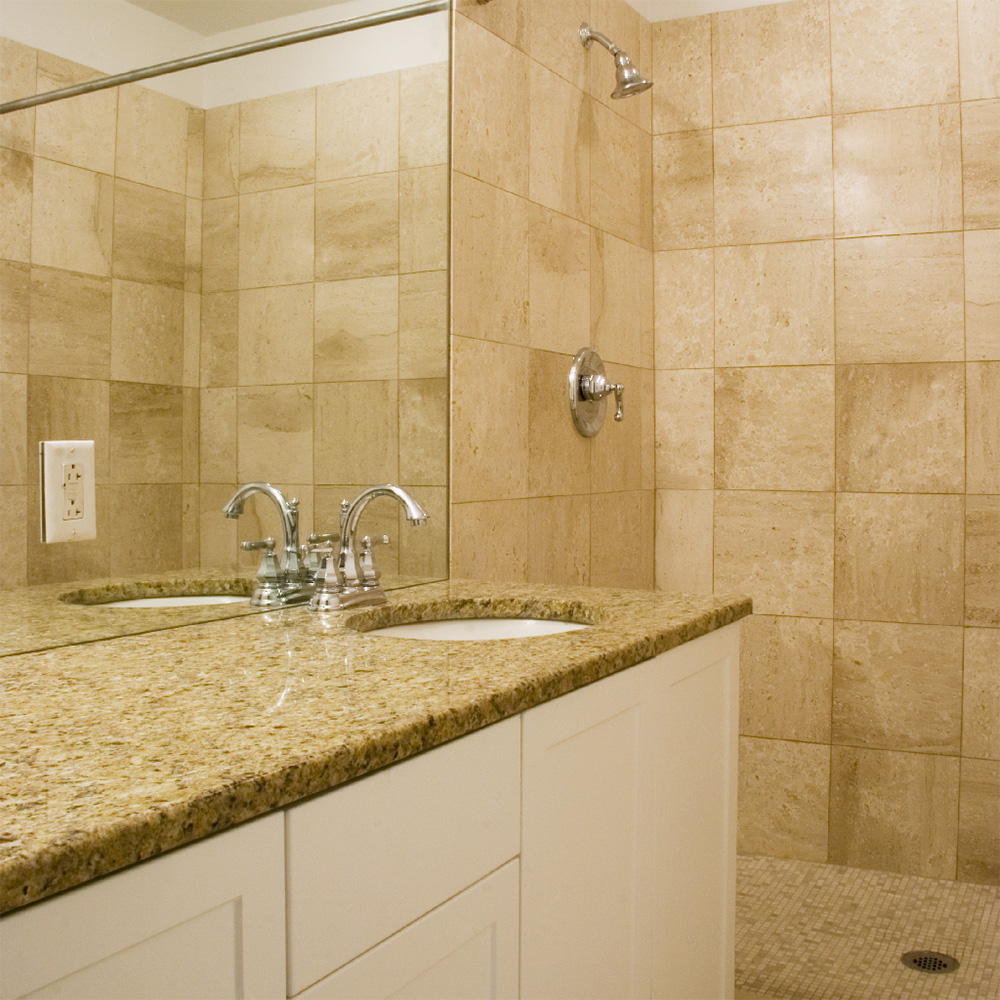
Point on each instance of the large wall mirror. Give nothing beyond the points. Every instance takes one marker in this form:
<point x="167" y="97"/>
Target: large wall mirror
<point x="228" y="274"/>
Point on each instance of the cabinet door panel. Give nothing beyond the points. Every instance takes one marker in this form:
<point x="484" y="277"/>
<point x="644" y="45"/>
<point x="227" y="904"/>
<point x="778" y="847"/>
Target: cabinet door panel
<point x="206" y="920"/>
<point x="368" y="858"/>
<point x="694" y="692"/>
<point x="582" y="840"/>
<point x="466" y="949"/>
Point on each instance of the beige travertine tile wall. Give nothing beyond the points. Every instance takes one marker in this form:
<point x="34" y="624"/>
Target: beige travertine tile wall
<point x="827" y="270"/>
<point x="551" y="252"/>
<point x="99" y="271"/>
<point x="324" y="362"/>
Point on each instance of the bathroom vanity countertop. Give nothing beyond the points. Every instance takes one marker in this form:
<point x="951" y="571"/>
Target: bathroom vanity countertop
<point x="118" y="749"/>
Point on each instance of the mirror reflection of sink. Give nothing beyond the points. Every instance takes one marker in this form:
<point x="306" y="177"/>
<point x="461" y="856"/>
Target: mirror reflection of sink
<point x="181" y="601"/>
<point x="476" y="629"/>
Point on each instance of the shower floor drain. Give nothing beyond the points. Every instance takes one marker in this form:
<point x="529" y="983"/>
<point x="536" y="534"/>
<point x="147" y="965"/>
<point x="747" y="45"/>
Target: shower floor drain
<point x="930" y="961"/>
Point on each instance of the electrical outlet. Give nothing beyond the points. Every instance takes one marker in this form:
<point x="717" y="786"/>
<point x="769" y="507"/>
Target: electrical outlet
<point x="67" y="490"/>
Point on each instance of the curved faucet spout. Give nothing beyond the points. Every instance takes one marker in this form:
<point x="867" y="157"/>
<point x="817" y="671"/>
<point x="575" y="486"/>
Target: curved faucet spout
<point x="288" y="510"/>
<point x="415" y="514"/>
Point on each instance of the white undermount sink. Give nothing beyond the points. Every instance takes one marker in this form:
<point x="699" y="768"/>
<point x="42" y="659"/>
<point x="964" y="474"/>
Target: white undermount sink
<point x="181" y="601"/>
<point x="476" y="629"/>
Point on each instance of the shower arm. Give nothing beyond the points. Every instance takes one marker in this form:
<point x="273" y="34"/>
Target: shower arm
<point x="588" y="35"/>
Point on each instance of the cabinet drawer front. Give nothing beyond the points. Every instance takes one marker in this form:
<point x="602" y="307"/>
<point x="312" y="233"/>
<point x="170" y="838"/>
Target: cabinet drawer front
<point x="366" y="859"/>
<point x="466" y="949"/>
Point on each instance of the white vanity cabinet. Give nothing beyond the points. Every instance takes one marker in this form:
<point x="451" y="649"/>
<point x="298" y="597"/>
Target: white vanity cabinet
<point x="206" y="920"/>
<point x="583" y="849"/>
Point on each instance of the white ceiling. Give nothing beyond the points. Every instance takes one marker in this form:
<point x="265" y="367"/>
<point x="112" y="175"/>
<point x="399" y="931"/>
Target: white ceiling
<point x="668" y="10"/>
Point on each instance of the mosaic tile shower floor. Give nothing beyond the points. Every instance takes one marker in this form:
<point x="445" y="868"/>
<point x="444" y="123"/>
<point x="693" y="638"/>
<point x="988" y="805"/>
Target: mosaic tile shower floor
<point x="822" y="932"/>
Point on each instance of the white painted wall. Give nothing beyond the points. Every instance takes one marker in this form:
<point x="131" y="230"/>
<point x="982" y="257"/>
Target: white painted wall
<point x="114" y="36"/>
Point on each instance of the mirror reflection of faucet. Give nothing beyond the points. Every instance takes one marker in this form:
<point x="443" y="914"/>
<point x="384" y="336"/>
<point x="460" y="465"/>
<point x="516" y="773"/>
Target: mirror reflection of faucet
<point x="329" y="580"/>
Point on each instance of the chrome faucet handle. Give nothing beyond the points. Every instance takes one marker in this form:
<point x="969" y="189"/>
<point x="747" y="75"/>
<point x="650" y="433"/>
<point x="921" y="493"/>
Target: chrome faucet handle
<point x="619" y="391"/>
<point x="368" y="572"/>
<point x="596" y="387"/>
<point x="268" y="590"/>
<point x="314" y="548"/>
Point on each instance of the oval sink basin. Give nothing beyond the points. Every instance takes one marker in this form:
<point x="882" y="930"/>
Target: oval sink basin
<point x="182" y="601"/>
<point x="477" y="629"/>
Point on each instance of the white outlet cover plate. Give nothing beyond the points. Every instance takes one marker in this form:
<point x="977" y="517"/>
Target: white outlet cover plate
<point x="57" y="460"/>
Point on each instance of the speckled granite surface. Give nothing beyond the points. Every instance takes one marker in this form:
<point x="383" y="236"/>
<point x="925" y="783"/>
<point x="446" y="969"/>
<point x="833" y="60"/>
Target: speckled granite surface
<point x="59" y="614"/>
<point x="116" y="750"/>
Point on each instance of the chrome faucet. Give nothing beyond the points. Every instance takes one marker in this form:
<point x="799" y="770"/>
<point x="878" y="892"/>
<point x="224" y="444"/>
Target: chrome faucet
<point x="289" y="583"/>
<point x="352" y="579"/>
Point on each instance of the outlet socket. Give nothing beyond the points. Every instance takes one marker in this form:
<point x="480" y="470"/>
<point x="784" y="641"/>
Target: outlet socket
<point x="67" y="490"/>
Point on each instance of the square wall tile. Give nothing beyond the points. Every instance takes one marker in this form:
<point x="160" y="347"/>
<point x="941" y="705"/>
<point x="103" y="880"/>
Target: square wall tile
<point x="489" y="262"/>
<point x="275" y="434"/>
<point x="218" y="424"/>
<point x="151" y="146"/>
<point x="147" y="333"/>
<point x="621" y="300"/>
<point x="423" y="115"/>
<point x="982" y="295"/>
<point x="18" y="73"/>
<point x="898" y="687"/>
<point x="683" y="533"/>
<point x="560" y="145"/>
<point x="275" y="345"/>
<point x="621" y="183"/>
<point x="133" y="547"/>
<point x="489" y="444"/>
<point x="682" y="68"/>
<point x="980" y="156"/>
<point x="193" y="222"/>
<point x="981" y="694"/>
<point x="194" y="186"/>
<point x="773" y="182"/>
<point x="490" y="108"/>
<point x="14" y="543"/>
<point x="190" y="526"/>
<point x="778" y="548"/>
<point x="149" y="239"/>
<point x="423" y="325"/>
<point x="894" y="811"/>
<point x="900" y="558"/>
<point x="559" y="261"/>
<point x="277" y="244"/>
<point x="784" y="791"/>
<point x="893" y="55"/>
<point x="786" y="669"/>
<point x="357" y="127"/>
<point x="683" y="209"/>
<point x="216" y="534"/>
<point x="357" y="329"/>
<point x="982" y="560"/>
<point x="684" y="429"/>
<point x="683" y="290"/>
<point x="771" y="62"/>
<point x="489" y="541"/>
<point x="147" y="433"/>
<point x="71" y="215"/>
<point x="559" y="540"/>
<point x="983" y="427"/>
<point x="219" y="339"/>
<point x="423" y="551"/>
<point x="900" y="428"/>
<point x="70" y="325"/>
<point x="978" y="44"/>
<point x="17" y="238"/>
<point x="221" y="176"/>
<point x="619" y="554"/>
<point x="13" y="442"/>
<point x="774" y="428"/>
<point x="774" y="304"/>
<point x="278" y="141"/>
<point x="423" y="219"/>
<point x="558" y="456"/>
<point x="423" y="431"/>
<point x="619" y="455"/>
<point x="898" y="171"/>
<point x="70" y="409"/>
<point x="979" y="822"/>
<point x="357" y="227"/>
<point x="15" y="297"/>
<point x="357" y="432"/>
<point x="79" y="131"/>
<point x="900" y="298"/>
<point x="220" y="248"/>
<point x="550" y="24"/>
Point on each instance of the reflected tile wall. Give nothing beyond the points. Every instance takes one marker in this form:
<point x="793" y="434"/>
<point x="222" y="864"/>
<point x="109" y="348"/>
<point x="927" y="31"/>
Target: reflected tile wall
<point x="551" y="228"/>
<point x="842" y="462"/>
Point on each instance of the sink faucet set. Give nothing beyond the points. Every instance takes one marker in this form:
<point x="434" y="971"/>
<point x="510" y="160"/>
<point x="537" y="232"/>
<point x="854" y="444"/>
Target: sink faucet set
<point x="327" y="575"/>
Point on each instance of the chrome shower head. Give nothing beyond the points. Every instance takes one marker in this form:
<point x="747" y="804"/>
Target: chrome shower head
<point x="628" y="80"/>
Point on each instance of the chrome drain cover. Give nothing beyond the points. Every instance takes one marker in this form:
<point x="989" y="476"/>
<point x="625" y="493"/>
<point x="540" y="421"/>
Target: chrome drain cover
<point x="930" y="961"/>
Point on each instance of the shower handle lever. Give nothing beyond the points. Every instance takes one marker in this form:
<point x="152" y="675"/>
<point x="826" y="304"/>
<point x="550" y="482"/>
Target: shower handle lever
<point x="595" y="387"/>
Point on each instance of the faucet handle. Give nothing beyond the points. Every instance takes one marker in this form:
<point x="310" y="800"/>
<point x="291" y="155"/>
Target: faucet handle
<point x="267" y="544"/>
<point x="370" y="573"/>
<point x="268" y="591"/>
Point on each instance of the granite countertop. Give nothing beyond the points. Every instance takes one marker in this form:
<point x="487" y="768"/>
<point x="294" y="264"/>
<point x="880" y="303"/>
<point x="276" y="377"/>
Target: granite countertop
<point x="117" y="749"/>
